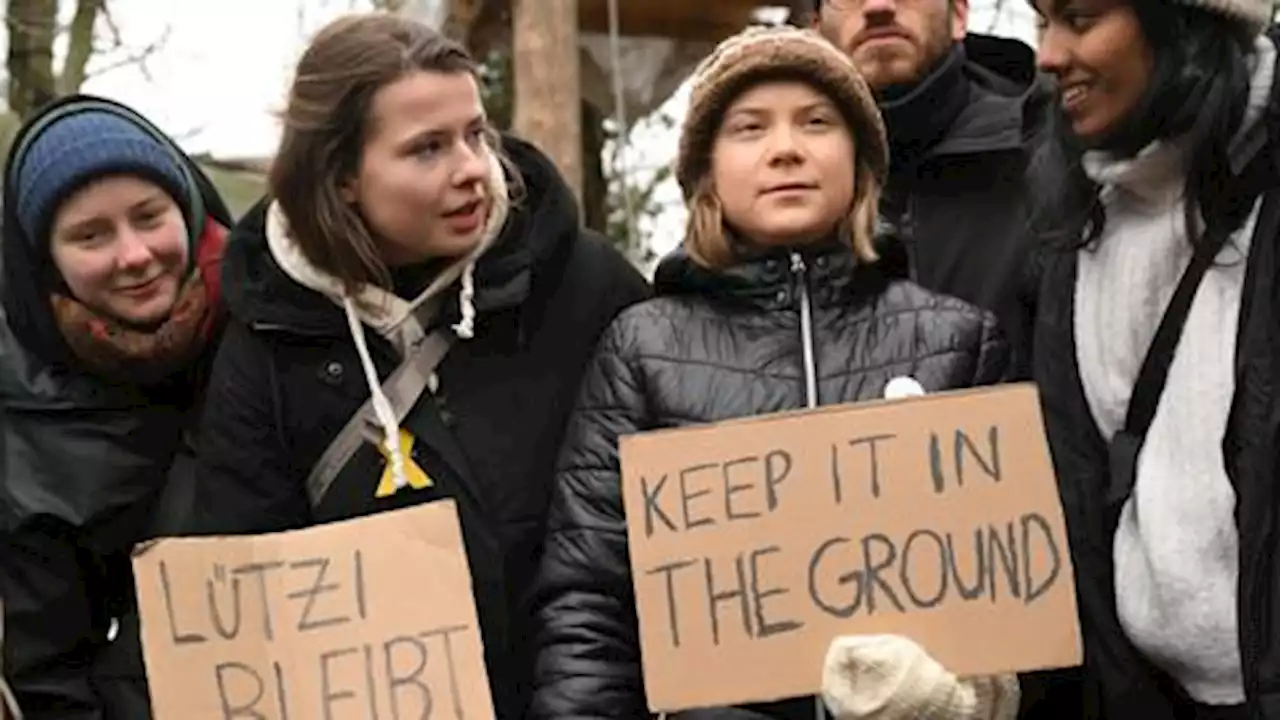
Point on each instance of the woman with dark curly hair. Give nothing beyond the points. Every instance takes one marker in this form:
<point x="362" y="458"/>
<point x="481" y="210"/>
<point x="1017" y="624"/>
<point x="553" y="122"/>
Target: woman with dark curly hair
<point x="1158" y="348"/>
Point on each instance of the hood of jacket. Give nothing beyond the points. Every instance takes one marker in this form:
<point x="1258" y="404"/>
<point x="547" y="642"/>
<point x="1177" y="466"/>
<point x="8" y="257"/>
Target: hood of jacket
<point x="24" y="294"/>
<point x="269" y="284"/>
<point x="984" y="96"/>
<point x="1004" y="89"/>
<point x="1005" y="65"/>
<point x="767" y="280"/>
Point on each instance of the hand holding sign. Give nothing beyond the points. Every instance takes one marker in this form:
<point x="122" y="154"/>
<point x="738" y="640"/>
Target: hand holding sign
<point x="890" y="677"/>
<point x="754" y="543"/>
<point x="364" y="618"/>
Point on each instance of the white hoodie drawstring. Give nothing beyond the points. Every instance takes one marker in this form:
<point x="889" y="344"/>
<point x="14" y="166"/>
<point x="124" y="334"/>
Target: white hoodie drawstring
<point x="381" y="406"/>
<point x="394" y="319"/>
<point x="465" y="327"/>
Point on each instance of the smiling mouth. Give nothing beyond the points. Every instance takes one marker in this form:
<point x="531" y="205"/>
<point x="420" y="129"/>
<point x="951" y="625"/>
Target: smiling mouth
<point x="140" y="286"/>
<point x="1073" y="95"/>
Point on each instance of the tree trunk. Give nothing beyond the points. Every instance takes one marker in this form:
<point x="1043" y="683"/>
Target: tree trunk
<point x="32" y="26"/>
<point x="79" y="45"/>
<point x="547" y="87"/>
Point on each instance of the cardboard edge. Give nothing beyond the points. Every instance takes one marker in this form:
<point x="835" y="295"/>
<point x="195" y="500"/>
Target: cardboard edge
<point x="932" y="398"/>
<point x="146" y="546"/>
<point x="143" y="547"/>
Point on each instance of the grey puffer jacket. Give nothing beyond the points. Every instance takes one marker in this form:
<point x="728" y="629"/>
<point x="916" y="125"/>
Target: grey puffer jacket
<point x="781" y="332"/>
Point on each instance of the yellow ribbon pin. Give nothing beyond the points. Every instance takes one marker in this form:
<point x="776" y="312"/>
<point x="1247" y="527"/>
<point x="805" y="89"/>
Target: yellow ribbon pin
<point x="417" y="477"/>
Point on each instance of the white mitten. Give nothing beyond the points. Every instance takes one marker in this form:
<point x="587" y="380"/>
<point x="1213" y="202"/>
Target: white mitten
<point x="890" y="677"/>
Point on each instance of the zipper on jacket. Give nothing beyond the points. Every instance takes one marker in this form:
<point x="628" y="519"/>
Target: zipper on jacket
<point x="801" y="272"/>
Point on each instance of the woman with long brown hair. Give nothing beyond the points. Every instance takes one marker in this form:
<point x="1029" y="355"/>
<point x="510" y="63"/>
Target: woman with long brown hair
<point x="400" y="228"/>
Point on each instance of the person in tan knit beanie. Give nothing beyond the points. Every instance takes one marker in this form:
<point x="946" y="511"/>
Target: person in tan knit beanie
<point x="783" y="297"/>
<point x="736" y="64"/>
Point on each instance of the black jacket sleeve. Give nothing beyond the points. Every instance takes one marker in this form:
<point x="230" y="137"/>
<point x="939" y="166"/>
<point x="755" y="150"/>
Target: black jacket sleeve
<point x="587" y="644"/>
<point x="48" y="623"/>
<point x="995" y="358"/>
<point x="244" y="482"/>
<point x="1049" y="694"/>
<point x="78" y="478"/>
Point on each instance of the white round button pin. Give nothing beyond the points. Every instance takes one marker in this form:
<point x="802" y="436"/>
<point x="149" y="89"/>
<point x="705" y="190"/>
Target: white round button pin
<point x="903" y="386"/>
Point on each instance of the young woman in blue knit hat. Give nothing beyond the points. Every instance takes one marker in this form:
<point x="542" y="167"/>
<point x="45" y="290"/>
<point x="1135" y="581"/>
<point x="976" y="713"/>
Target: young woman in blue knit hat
<point x="112" y="243"/>
<point x="1158" y="348"/>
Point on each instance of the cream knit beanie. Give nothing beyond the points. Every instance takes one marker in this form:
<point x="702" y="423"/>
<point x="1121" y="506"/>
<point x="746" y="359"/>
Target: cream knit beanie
<point x="1254" y="14"/>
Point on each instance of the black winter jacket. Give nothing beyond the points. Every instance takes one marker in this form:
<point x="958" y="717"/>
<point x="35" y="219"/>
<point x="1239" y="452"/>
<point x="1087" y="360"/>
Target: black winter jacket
<point x="961" y="143"/>
<point x="88" y="468"/>
<point x="716" y="346"/>
<point x="288" y="378"/>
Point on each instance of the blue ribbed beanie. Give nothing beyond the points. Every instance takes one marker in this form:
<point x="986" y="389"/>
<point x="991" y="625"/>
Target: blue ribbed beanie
<point x="77" y="148"/>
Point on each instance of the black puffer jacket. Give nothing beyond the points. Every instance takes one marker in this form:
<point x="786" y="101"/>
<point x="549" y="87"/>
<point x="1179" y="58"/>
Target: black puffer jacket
<point x="711" y="347"/>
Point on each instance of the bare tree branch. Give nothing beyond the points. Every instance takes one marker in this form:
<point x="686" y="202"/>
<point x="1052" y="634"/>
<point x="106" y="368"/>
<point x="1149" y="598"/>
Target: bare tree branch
<point x="136" y="58"/>
<point x="109" y="19"/>
<point x="184" y="135"/>
<point x="80" y="44"/>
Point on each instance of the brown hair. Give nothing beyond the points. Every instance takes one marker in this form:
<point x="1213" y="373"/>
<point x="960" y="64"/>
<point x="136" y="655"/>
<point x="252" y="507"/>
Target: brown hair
<point x="707" y="243"/>
<point x="325" y="126"/>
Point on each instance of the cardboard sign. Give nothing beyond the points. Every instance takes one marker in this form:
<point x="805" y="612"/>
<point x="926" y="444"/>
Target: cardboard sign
<point x="756" y="542"/>
<point x="371" y="617"/>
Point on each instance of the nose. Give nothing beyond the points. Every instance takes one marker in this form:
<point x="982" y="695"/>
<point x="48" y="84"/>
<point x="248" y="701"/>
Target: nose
<point x="133" y="253"/>
<point x="1052" y="56"/>
<point x="784" y="147"/>
<point x="881" y="10"/>
<point x="473" y="164"/>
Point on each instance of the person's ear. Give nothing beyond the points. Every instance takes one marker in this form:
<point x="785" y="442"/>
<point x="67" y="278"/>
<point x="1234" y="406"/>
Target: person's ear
<point x="959" y="19"/>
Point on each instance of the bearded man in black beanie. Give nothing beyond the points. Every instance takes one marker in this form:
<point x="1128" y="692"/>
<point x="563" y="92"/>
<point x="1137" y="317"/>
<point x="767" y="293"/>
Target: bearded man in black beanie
<point x="961" y="110"/>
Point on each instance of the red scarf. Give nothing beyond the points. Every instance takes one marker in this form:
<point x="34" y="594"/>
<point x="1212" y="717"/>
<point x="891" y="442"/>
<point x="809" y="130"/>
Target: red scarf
<point x="117" y="351"/>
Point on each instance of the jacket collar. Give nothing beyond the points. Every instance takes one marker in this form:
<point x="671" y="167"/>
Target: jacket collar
<point x="769" y="280"/>
<point x="995" y="94"/>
